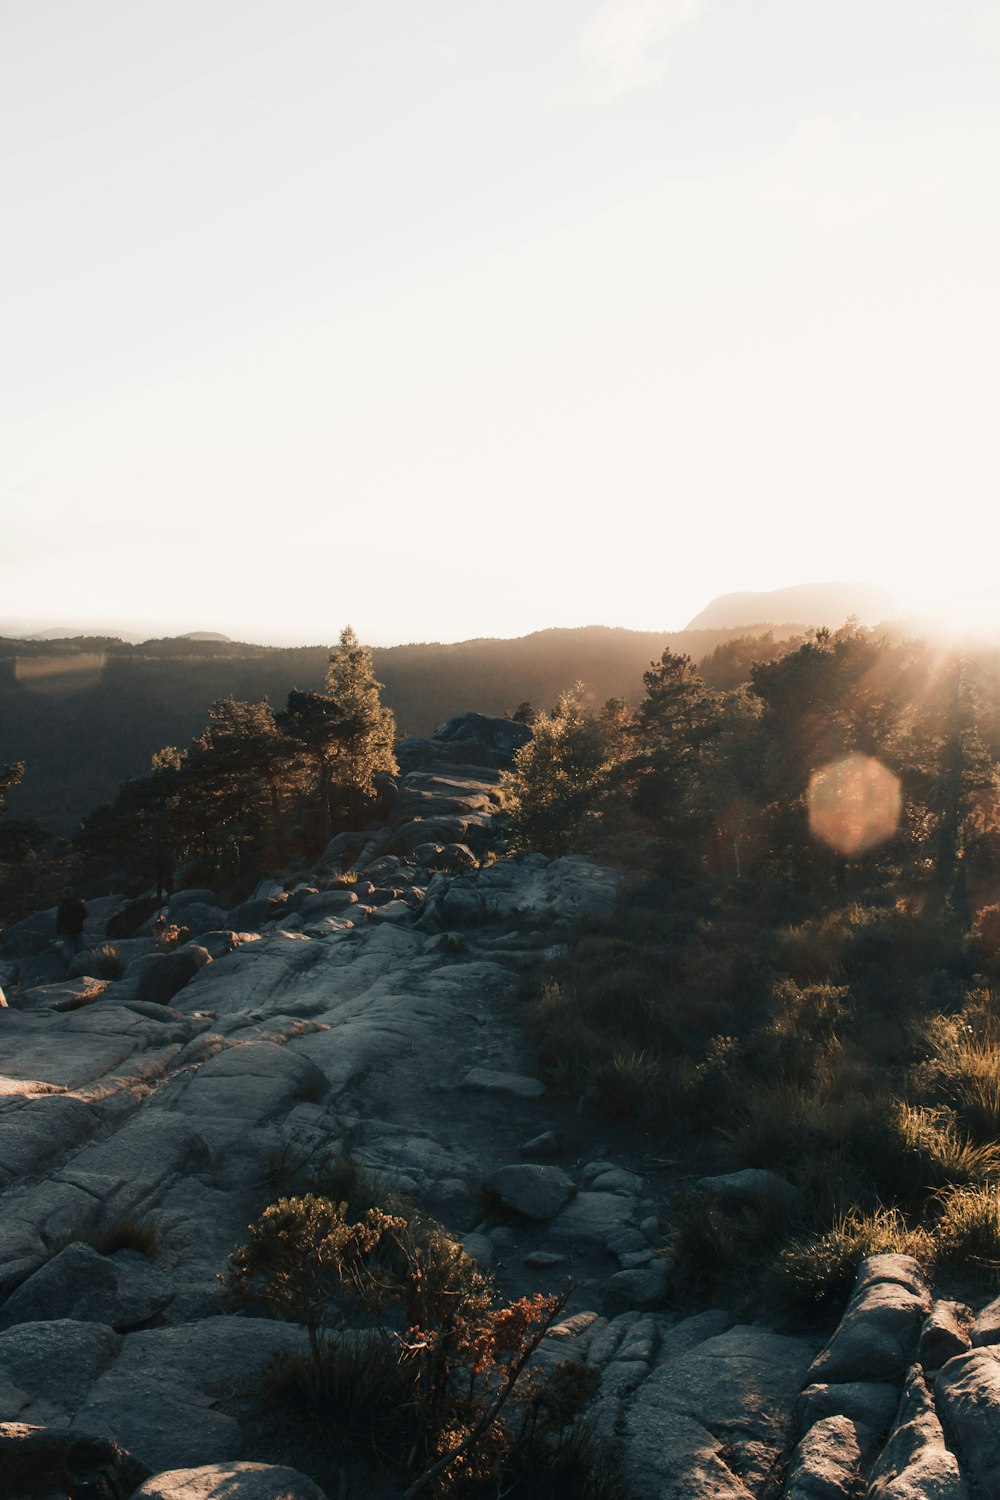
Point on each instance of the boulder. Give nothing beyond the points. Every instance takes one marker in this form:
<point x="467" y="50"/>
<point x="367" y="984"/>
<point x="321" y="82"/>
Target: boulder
<point x="986" y="1328"/>
<point x="828" y="1462"/>
<point x="642" y="1288"/>
<point x="535" y="1191"/>
<point x="233" y="1481"/>
<point x="180" y="901"/>
<point x="968" y="1401"/>
<point x="57" y="1362"/>
<point x="165" y="1398"/>
<point x="31" y="935"/>
<point x="43" y="968"/>
<point x="872" y="1403"/>
<point x="120" y="1290"/>
<point x="915" y="1463"/>
<point x="517" y="1085"/>
<point x="877" y="1337"/>
<point x="327" y="904"/>
<point x="164" y="975"/>
<point x="43" y="1461"/>
<point x="945" y="1334"/>
<point x="748" y="1188"/>
<point x="593" y="1217"/>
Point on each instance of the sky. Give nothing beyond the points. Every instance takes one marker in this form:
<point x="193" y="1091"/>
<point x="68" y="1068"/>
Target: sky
<point x="456" y="318"/>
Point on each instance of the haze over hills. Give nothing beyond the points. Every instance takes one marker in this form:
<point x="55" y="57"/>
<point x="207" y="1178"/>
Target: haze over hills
<point x="802" y="605"/>
<point x="86" y="713"/>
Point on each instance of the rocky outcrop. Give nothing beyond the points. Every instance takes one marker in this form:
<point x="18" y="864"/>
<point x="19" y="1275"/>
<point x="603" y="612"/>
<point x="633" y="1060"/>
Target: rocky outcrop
<point x="368" y="1013"/>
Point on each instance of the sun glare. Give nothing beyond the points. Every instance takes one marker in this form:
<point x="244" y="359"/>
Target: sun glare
<point x="854" y="804"/>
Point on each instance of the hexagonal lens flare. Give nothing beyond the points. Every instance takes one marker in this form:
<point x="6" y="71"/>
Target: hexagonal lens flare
<point x="854" y="803"/>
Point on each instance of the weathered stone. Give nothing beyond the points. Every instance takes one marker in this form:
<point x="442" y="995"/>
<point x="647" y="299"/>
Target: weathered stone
<point x="537" y="1192"/>
<point x="714" y="1420"/>
<point x="182" y="901"/>
<point x="639" y="1288"/>
<point x="944" y="1334"/>
<point x="234" y="1481"/>
<point x="546" y="1144"/>
<point x="968" y="1402"/>
<point x="877" y="1337"/>
<point x="57" y="1362"/>
<point x="986" y="1328"/>
<point x="593" y="1217"/>
<point x="327" y="904"/>
<point x="739" y="1189"/>
<point x="120" y="1290"/>
<point x="915" y="1464"/>
<point x="163" y="975"/>
<point x="870" y="1402"/>
<point x="487" y="1081"/>
<point x="827" y="1464"/>
<point x="164" y="1398"/>
<point x="49" y="1461"/>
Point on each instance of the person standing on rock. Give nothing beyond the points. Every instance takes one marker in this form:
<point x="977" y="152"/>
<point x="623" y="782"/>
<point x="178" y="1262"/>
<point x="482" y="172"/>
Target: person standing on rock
<point x="70" y="917"/>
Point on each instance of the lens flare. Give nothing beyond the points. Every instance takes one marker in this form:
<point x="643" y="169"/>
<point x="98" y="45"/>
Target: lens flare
<point x="854" y="804"/>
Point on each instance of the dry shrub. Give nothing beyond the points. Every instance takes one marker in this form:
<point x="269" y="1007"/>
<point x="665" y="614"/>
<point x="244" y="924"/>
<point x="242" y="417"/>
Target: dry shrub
<point x="986" y="938"/>
<point x="437" y="1391"/>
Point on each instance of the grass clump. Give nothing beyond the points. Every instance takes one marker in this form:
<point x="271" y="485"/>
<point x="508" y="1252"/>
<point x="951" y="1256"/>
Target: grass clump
<point x="811" y="1278"/>
<point x="106" y="962"/>
<point x="125" y="1232"/>
<point x="968" y="1233"/>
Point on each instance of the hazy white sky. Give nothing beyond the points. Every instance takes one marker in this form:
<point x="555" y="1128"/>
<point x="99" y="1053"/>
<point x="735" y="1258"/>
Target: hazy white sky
<point x="460" y="317"/>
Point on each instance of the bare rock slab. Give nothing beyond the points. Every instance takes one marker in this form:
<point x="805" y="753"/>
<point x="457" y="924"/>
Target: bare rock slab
<point x="517" y="1085"/>
<point x="164" y="1398"/>
<point x="119" y="1290"/>
<point x="828" y="1463"/>
<point x="237" y="1481"/>
<point x="968" y="1401"/>
<point x="915" y="1463"/>
<point x="877" y="1337"/>
<point x="717" y="1418"/>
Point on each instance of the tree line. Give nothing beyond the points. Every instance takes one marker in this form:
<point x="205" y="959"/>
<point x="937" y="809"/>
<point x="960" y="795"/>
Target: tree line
<point x="722" y="784"/>
<point x="254" y="782"/>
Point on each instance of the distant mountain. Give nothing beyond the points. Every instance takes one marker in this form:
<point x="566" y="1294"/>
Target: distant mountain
<point x="803" y="605"/>
<point x="205" y="635"/>
<point x="71" y="633"/>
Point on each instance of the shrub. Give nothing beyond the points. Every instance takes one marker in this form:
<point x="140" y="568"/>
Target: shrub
<point x="716" y="1246"/>
<point x="630" y="1087"/>
<point x="986" y="938"/>
<point x="433" y="1384"/>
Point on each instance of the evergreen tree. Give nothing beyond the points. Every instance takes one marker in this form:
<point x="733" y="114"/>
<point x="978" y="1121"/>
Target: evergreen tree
<point x="367" y="729"/>
<point x="552" y="794"/>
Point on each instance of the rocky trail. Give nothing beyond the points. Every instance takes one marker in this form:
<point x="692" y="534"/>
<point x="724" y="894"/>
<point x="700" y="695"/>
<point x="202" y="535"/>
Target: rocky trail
<point x="380" y="1022"/>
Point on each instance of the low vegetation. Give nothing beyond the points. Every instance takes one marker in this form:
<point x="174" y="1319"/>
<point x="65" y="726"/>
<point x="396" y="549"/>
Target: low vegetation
<point x="801" y="976"/>
<point x="415" y="1368"/>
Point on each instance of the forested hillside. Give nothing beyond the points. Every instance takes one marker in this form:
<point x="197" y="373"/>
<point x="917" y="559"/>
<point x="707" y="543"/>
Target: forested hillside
<point x="85" y="714"/>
